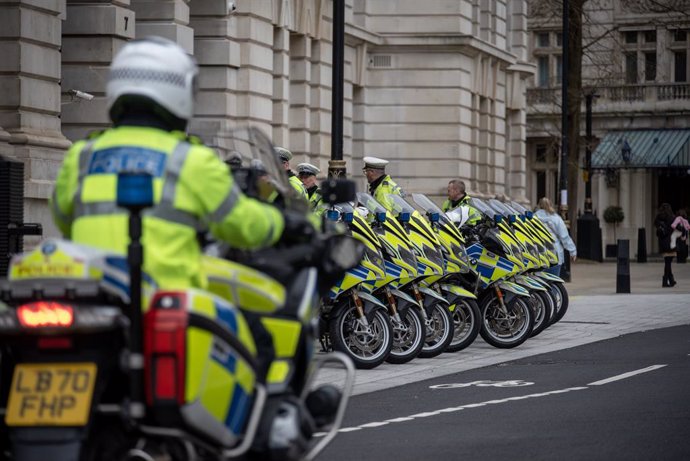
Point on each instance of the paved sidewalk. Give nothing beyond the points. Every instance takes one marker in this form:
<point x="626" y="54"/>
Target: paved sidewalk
<point x="596" y="313"/>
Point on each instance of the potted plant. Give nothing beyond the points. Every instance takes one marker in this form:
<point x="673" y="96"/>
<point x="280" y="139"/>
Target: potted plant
<point x="613" y="215"/>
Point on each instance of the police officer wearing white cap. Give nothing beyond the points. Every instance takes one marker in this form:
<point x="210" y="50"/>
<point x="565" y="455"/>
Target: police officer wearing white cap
<point x="307" y="173"/>
<point x="285" y="157"/>
<point x="380" y="184"/>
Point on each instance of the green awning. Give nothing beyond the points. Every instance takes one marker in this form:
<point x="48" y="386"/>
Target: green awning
<point x="643" y="149"/>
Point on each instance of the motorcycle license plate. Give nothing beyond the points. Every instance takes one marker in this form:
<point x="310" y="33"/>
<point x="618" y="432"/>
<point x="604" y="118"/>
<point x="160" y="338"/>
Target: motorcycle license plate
<point x="51" y="394"/>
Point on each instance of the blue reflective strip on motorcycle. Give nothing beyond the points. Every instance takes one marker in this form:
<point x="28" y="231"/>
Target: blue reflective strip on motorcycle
<point x="485" y="271"/>
<point x="238" y="411"/>
<point x="120" y="263"/>
<point x="359" y="272"/>
<point x="121" y="286"/>
<point x="421" y="268"/>
<point x="474" y="250"/>
<point x="393" y="269"/>
<point x="227" y="316"/>
<point x="504" y="264"/>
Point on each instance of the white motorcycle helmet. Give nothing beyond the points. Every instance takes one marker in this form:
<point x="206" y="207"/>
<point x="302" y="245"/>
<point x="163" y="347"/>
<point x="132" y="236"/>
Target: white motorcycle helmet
<point x="459" y="215"/>
<point x="155" y="68"/>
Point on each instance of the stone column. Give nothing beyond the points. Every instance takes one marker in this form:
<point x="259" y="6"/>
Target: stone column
<point x="218" y="54"/>
<point x="165" y="18"/>
<point x="93" y="33"/>
<point x="300" y="96"/>
<point x="517" y="155"/>
<point x="321" y="79"/>
<point x="281" y="86"/>
<point x="30" y="97"/>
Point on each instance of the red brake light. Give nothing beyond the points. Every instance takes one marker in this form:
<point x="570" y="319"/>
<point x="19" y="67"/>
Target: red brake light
<point x="45" y="314"/>
<point x="165" y="348"/>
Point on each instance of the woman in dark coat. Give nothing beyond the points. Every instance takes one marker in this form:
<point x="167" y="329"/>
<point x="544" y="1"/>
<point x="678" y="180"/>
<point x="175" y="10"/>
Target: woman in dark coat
<point x="662" y="223"/>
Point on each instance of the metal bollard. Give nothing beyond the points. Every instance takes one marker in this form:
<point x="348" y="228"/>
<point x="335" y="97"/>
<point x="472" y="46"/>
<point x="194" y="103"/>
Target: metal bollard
<point x="641" y="245"/>
<point x="623" y="267"/>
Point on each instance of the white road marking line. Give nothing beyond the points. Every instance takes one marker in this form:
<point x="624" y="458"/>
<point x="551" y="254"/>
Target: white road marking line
<point x="626" y="375"/>
<point x="454" y="409"/>
<point x="495" y="402"/>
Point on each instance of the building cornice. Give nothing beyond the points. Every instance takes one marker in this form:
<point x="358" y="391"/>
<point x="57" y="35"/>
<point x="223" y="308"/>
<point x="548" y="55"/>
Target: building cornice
<point x="466" y="44"/>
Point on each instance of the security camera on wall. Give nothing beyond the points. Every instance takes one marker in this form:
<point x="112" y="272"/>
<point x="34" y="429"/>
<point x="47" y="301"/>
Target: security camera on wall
<point x="232" y="7"/>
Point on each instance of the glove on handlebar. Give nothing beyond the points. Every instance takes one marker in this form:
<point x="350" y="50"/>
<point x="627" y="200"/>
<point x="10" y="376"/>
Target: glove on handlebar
<point x="298" y="228"/>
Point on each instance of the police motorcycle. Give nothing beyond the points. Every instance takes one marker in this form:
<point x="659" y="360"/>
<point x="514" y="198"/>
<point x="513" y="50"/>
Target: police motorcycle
<point x="460" y="276"/>
<point x="426" y="289"/>
<point x="534" y="258"/>
<point x="352" y="319"/>
<point x="506" y="316"/>
<point x="407" y="315"/>
<point x="558" y="290"/>
<point x="98" y="363"/>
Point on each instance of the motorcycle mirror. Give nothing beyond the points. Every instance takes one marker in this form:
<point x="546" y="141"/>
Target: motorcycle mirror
<point x="134" y="190"/>
<point x="338" y="191"/>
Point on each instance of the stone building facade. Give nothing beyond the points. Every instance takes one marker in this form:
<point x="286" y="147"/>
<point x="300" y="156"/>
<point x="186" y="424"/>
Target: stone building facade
<point x="636" y="63"/>
<point x="437" y="87"/>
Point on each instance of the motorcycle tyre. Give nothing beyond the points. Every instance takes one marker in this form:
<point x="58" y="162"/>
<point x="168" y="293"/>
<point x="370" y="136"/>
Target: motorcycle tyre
<point x="411" y="316"/>
<point x="565" y="301"/>
<point x="340" y="344"/>
<point x="471" y="310"/>
<point x="516" y="303"/>
<point x="547" y="304"/>
<point x="444" y="315"/>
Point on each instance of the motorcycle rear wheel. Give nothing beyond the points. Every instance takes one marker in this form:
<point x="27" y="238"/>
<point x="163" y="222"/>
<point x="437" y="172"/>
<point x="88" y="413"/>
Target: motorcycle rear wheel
<point x="368" y="347"/>
<point x="505" y="331"/>
<point x="408" y="338"/>
<point x="466" y="324"/>
<point x="439" y="331"/>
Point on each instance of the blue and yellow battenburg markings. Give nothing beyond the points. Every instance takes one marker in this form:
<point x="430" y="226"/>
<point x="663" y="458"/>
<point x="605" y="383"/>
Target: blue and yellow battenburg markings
<point x="222" y="381"/>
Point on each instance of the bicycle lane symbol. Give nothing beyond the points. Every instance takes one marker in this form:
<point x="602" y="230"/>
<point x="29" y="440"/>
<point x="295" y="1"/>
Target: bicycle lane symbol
<point x="484" y="383"/>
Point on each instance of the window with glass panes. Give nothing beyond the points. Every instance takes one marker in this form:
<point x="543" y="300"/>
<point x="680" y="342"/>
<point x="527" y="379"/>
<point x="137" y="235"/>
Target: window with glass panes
<point x="547" y="49"/>
<point x="544" y="160"/>
<point x="639" y="56"/>
<point x="679" y="45"/>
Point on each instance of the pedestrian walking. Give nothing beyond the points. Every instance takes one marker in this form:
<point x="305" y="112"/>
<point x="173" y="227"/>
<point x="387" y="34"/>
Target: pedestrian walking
<point x="547" y="214"/>
<point x="664" y="228"/>
<point x="682" y="226"/>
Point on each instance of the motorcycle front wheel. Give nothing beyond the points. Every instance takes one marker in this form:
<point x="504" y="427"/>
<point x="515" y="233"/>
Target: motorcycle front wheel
<point x="408" y="336"/>
<point x="561" y="300"/>
<point x="439" y="331"/>
<point x="367" y="343"/>
<point x="466" y="324"/>
<point x="509" y="328"/>
<point x="542" y="308"/>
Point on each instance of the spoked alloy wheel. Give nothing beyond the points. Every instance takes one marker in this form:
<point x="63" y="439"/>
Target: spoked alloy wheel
<point x="367" y="345"/>
<point x="408" y="336"/>
<point x="466" y="324"/>
<point x="542" y="307"/>
<point x="439" y="331"/>
<point x="506" y="329"/>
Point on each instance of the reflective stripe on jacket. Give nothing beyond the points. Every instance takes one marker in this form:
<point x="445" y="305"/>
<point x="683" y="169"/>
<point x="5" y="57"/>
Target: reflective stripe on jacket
<point x="193" y="191"/>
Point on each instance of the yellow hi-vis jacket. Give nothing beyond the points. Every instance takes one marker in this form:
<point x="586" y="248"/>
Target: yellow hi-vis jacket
<point x="384" y="188"/>
<point x="193" y="191"/>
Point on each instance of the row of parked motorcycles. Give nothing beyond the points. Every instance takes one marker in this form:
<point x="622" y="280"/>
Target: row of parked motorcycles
<point x="431" y="282"/>
<point x="99" y="363"/>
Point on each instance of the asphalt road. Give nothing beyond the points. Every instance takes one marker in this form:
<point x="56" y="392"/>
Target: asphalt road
<point x="623" y="398"/>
